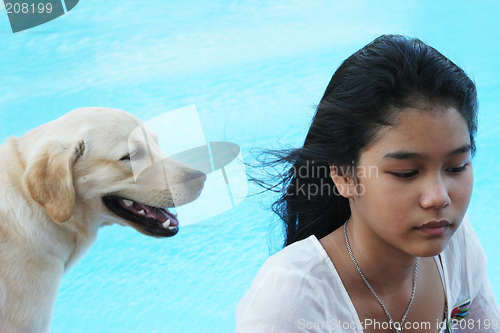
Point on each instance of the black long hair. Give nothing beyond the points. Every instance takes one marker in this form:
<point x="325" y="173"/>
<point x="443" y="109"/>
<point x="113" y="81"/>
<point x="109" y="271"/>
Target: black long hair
<point x="390" y="73"/>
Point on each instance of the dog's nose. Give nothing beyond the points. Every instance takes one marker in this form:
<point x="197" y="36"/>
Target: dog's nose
<point x="168" y="173"/>
<point x="195" y="174"/>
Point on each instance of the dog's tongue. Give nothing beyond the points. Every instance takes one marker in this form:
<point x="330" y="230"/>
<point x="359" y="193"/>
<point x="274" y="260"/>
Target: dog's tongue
<point x="161" y="215"/>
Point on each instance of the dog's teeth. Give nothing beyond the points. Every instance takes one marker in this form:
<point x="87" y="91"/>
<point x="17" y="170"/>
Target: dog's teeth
<point x="142" y="212"/>
<point x="166" y="223"/>
<point x="128" y="203"/>
<point x="171" y="228"/>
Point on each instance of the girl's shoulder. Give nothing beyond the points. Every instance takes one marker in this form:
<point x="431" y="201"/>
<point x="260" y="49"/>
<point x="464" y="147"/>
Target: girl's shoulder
<point x="295" y="285"/>
<point x="301" y="273"/>
<point x="297" y="266"/>
<point x="303" y="255"/>
<point x="464" y="263"/>
<point x="464" y="250"/>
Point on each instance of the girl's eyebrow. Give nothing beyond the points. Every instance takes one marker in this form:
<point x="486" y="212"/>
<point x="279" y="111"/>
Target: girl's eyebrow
<point x="406" y="155"/>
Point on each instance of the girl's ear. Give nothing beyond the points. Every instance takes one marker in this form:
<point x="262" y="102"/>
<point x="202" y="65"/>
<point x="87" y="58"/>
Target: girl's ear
<point x="343" y="181"/>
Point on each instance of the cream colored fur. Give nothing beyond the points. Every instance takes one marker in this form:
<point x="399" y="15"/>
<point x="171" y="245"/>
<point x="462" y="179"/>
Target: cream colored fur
<point x="52" y="181"/>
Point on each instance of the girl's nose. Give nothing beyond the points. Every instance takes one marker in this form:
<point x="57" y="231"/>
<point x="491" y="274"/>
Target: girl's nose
<point x="435" y="194"/>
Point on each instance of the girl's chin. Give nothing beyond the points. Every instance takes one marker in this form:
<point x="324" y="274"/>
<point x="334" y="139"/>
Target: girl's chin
<point x="428" y="254"/>
<point x="430" y="250"/>
<point x="430" y="246"/>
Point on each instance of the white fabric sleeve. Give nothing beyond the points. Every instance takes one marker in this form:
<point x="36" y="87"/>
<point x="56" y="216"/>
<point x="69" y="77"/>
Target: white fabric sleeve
<point x="484" y="315"/>
<point x="273" y="304"/>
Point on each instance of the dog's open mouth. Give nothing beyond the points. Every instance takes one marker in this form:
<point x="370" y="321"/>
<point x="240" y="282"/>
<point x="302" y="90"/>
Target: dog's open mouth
<point x="154" y="221"/>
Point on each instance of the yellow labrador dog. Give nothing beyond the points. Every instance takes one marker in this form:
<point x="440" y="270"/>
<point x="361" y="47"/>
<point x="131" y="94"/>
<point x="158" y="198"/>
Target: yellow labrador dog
<point x="62" y="181"/>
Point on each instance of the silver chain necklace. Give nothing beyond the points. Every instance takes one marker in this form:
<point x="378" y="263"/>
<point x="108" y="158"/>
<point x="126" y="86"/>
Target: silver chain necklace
<point x="397" y="326"/>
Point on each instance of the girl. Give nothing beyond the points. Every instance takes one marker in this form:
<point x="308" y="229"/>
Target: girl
<point x="374" y="204"/>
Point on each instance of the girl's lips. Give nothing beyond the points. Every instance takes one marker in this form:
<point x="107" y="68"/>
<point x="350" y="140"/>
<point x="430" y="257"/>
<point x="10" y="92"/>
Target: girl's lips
<point x="436" y="224"/>
<point x="435" y="228"/>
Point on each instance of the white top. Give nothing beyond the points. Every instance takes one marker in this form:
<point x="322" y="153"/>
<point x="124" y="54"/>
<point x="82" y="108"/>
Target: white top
<point x="294" y="289"/>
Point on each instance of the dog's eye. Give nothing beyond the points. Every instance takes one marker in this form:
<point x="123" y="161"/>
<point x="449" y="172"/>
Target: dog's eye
<point x="125" y="158"/>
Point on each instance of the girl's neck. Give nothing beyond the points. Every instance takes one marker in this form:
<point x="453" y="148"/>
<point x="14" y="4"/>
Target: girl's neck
<point x="385" y="267"/>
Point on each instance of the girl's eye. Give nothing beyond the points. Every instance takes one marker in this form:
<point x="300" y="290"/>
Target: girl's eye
<point x="458" y="170"/>
<point x="405" y="174"/>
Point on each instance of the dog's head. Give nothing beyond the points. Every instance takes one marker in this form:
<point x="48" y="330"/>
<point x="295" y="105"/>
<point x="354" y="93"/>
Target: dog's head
<point x="105" y="166"/>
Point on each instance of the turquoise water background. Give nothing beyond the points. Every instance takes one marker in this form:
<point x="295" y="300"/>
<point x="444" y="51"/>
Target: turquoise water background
<point x="255" y="70"/>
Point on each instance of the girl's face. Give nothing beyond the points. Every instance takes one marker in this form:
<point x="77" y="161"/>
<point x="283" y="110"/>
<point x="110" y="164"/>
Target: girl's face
<point x="414" y="182"/>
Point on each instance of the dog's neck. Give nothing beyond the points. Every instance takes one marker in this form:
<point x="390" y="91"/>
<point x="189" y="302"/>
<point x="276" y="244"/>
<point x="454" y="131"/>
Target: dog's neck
<point x="82" y="240"/>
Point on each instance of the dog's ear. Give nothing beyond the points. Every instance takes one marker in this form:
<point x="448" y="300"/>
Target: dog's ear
<point x="48" y="178"/>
